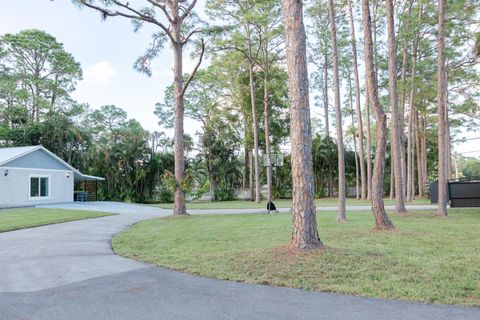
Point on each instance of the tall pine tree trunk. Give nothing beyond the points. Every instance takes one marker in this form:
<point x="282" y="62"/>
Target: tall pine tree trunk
<point x="410" y="149"/>
<point x="374" y="45"/>
<point x="404" y="97"/>
<point x="396" y="127"/>
<point x="325" y="96"/>
<point x="382" y="221"/>
<point x="424" y="151"/>
<point x="250" y="175"/>
<point x="361" y="151"/>
<point x="327" y="125"/>
<point x="304" y="226"/>
<point x="392" y="174"/>
<point x="369" y="148"/>
<point x="411" y="114"/>
<point x="442" y="187"/>
<point x="266" y="111"/>
<point x="341" y="217"/>
<point x="254" y="121"/>
<point x="419" y="157"/>
<point x="179" y="206"/>
<point x="245" y="167"/>
<point x="357" y="175"/>
<point x="448" y="142"/>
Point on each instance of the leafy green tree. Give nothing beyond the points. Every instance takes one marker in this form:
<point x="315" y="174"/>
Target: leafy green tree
<point x="177" y="24"/>
<point x="218" y="137"/>
<point x="239" y="35"/>
<point x="471" y="169"/>
<point x="42" y="73"/>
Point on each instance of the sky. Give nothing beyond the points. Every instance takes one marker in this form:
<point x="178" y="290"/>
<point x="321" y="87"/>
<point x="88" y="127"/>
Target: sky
<point x="107" y="50"/>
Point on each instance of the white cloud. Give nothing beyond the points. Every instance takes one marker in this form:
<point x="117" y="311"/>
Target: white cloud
<point x="100" y="73"/>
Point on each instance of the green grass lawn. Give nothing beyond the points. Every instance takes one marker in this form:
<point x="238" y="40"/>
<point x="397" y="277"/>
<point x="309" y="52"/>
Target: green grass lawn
<point x="280" y="203"/>
<point x="427" y="259"/>
<point x="14" y="219"/>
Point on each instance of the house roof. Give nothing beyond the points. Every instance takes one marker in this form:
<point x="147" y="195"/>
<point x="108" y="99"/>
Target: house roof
<point x="10" y="154"/>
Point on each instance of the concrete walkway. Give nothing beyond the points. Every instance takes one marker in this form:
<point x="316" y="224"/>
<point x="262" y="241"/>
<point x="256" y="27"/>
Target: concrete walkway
<point x="68" y="271"/>
<point x="331" y="208"/>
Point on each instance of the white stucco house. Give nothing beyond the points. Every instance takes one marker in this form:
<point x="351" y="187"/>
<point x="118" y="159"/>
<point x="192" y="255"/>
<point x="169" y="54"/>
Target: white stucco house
<point x="31" y="176"/>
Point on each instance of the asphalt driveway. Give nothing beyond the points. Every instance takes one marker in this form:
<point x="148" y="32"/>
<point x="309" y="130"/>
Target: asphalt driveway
<point x="68" y="271"/>
<point x="54" y="255"/>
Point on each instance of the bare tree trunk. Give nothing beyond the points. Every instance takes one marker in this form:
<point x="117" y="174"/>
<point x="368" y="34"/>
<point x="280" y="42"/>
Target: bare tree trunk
<point x="179" y="206"/>
<point x="403" y="99"/>
<point x="392" y="176"/>
<point x="448" y="146"/>
<point x="410" y="156"/>
<point x="245" y="168"/>
<point x="361" y="151"/>
<point x="250" y="176"/>
<point x="341" y="217"/>
<point x="396" y="127"/>
<point x="382" y="221"/>
<point x="325" y="96"/>
<point x="419" y="157"/>
<point x="442" y="187"/>
<point x="448" y="141"/>
<point x="327" y="126"/>
<point x="254" y="123"/>
<point x="266" y="111"/>
<point x="354" y="136"/>
<point x="357" y="176"/>
<point x="369" y="149"/>
<point x="411" y="114"/>
<point x="304" y="226"/>
<point x="424" y="151"/>
<point x="251" y="64"/>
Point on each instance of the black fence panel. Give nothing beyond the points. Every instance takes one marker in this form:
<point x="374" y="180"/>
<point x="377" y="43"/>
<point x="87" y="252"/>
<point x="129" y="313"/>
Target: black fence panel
<point x="464" y="194"/>
<point x="434" y="192"/>
<point x="461" y="194"/>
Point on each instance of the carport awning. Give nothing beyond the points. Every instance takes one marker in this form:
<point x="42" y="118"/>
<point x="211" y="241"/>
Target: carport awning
<point x="85" y="177"/>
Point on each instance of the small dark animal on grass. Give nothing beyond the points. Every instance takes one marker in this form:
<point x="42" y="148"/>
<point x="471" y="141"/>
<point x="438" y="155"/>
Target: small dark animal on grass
<point x="271" y="206"/>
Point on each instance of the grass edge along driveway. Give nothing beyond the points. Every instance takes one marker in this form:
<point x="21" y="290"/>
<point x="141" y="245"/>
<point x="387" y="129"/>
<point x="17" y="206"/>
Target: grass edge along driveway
<point x="428" y="259"/>
<point x="21" y="218"/>
<point x="280" y="203"/>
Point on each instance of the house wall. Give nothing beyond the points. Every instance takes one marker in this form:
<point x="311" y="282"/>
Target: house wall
<point x="15" y="187"/>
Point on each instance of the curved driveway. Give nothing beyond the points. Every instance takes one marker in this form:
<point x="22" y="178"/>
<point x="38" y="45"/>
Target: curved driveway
<point x="69" y="271"/>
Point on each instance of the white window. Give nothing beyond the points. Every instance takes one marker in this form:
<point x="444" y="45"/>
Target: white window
<point x="39" y="187"/>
